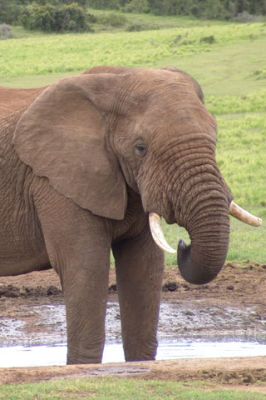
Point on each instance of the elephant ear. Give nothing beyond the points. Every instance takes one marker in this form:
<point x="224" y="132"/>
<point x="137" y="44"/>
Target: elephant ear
<point x="62" y="136"/>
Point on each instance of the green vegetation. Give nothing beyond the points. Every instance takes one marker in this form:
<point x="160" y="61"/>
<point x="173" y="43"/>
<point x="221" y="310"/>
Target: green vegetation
<point x="122" y="389"/>
<point x="227" y="59"/>
<point x="71" y="53"/>
<point x="5" y="32"/>
<point x="223" y="9"/>
<point x="50" y="18"/>
<point x="247" y="244"/>
<point x="46" y="15"/>
<point x="144" y="22"/>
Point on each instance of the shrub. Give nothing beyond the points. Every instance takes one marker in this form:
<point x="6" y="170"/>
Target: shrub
<point x="102" y="4"/>
<point x="81" y="3"/>
<point x="260" y="74"/>
<point x="5" y="31"/>
<point x="91" y="18"/>
<point x="50" y="18"/>
<point x="208" y="39"/>
<point x="113" y="19"/>
<point x="9" y="11"/>
<point x="137" y="6"/>
<point x="138" y="27"/>
<point x="245" y="17"/>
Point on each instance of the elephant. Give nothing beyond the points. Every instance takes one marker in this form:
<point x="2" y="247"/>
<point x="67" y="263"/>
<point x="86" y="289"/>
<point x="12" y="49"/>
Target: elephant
<point x="90" y="165"/>
<point x="14" y="99"/>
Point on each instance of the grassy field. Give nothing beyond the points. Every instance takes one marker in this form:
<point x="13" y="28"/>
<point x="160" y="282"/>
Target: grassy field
<point x="121" y="389"/>
<point x="229" y="61"/>
<point x="72" y="53"/>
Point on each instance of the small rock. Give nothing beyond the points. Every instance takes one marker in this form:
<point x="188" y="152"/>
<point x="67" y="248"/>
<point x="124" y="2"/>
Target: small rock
<point x="170" y="287"/>
<point x="52" y="290"/>
<point x="249" y="379"/>
<point x="230" y="287"/>
<point x="112" y="288"/>
<point x="189" y="313"/>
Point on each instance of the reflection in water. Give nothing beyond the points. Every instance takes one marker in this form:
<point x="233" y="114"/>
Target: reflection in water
<point x="20" y="356"/>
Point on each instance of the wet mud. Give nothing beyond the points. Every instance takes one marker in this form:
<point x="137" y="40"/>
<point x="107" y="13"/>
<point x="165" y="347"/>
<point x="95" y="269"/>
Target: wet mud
<point x="233" y="307"/>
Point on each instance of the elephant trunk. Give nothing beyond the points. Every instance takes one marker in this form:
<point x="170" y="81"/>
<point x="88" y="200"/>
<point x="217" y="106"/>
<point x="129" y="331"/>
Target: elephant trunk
<point x="196" y="197"/>
<point x="202" y="260"/>
<point x="209" y="229"/>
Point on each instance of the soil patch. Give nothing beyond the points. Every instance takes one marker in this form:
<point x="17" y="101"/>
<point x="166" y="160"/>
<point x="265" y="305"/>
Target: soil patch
<point x="233" y="371"/>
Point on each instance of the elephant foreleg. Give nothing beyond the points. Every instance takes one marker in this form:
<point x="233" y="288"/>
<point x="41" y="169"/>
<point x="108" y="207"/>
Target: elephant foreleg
<point x="139" y="268"/>
<point x="78" y="244"/>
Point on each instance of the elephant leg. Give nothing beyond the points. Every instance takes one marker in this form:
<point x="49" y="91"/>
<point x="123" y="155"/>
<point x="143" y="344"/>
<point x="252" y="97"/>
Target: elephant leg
<point x="139" y="269"/>
<point x="78" y="244"/>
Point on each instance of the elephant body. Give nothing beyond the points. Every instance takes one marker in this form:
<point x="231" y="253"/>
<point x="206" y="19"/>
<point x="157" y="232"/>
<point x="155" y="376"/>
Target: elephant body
<point x="83" y="163"/>
<point x="12" y="100"/>
<point x="26" y="245"/>
<point x="22" y="245"/>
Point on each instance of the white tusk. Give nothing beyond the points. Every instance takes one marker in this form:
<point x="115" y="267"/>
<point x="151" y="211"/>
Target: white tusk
<point x="157" y="233"/>
<point x="244" y="215"/>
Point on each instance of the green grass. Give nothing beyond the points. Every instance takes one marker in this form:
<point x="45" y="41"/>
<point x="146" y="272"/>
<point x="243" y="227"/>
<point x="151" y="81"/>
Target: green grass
<point x="247" y="244"/>
<point x="122" y="389"/>
<point x="231" y="71"/>
<point x="235" y="69"/>
<point x="72" y="53"/>
<point x="147" y="21"/>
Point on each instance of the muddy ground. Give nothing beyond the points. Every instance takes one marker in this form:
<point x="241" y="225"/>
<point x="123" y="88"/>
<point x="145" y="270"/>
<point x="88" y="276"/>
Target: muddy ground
<point x="234" y="305"/>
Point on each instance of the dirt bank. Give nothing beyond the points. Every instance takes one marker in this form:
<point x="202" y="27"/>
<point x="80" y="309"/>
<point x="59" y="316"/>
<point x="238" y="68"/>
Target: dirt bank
<point x="236" y="283"/>
<point x="233" y="371"/>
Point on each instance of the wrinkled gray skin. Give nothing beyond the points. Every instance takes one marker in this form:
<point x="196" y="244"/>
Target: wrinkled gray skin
<point x="82" y="165"/>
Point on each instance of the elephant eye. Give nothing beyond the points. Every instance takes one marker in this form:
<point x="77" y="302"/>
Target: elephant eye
<point x="141" y="149"/>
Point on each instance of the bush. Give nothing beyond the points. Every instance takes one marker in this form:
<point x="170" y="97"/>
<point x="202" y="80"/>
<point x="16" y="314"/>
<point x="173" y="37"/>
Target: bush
<point x="81" y="3"/>
<point x="137" y="6"/>
<point x="50" y="18"/>
<point x="113" y="19"/>
<point x="245" y="17"/>
<point x="138" y="27"/>
<point x="5" y="31"/>
<point x="260" y="74"/>
<point x="9" y="11"/>
<point x="208" y="39"/>
<point x="103" y="4"/>
<point x="91" y="18"/>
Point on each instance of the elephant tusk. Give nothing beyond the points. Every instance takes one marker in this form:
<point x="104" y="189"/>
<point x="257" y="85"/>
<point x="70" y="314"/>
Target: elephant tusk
<point x="243" y="215"/>
<point x="157" y="233"/>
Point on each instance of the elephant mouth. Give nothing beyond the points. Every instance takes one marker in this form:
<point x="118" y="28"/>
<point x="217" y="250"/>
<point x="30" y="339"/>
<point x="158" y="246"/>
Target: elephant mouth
<point x="235" y="210"/>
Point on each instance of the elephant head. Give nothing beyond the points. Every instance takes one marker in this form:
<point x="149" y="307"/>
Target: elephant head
<point x="96" y="135"/>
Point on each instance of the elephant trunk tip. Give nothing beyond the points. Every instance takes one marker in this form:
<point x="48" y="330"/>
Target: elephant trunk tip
<point x="193" y="271"/>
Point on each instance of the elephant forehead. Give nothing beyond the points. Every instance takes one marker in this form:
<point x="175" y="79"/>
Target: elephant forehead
<point x="157" y="84"/>
<point x="158" y="74"/>
<point x="177" y="116"/>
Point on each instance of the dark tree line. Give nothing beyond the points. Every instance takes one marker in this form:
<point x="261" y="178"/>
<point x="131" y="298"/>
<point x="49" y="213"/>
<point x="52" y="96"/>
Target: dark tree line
<point x="222" y="9"/>
<point x="65" y="15"/>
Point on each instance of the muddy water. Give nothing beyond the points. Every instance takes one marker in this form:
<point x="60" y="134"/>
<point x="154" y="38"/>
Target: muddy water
<point x="45" y="324"/>
<point x="36" y="334"/>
